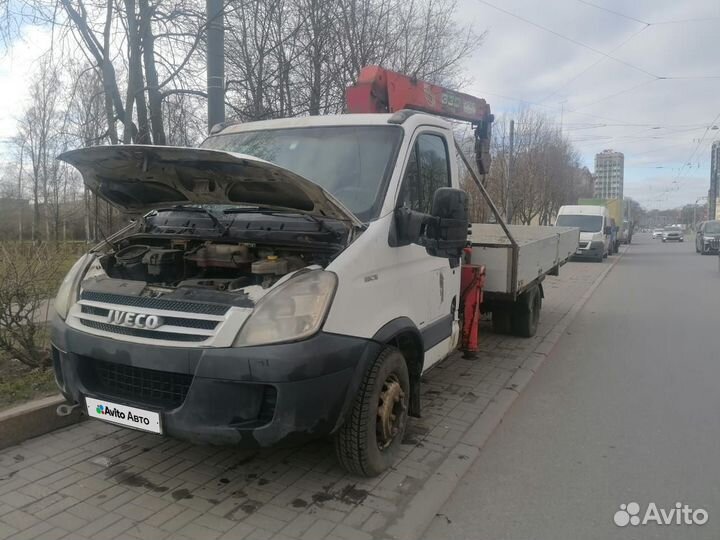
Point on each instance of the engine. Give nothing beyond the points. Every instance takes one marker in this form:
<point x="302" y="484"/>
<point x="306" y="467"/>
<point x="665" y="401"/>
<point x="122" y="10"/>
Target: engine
<point x="207" y="264"/>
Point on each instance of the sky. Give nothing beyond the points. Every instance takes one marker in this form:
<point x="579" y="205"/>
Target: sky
<point x="655" y="100"/>
<point x="640" y="77"/>
<point x="18" y="62"/>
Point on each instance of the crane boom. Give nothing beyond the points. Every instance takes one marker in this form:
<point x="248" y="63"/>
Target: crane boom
<point x="379" y="90"/>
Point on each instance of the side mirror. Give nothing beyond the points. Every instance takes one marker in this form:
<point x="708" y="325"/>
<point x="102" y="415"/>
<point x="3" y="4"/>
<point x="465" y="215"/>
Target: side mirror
<point x="446" y="229"/>
<point x="608" y="230"/>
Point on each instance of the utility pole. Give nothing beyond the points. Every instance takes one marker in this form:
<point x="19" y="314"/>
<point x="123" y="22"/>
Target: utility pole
<point x="508" y="179"/>
<point x="215" y="62"/>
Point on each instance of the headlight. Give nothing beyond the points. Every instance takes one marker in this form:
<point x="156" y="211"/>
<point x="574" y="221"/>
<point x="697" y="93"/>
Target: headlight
<point x="293" y="311"/>
<point x="67" y="294"/>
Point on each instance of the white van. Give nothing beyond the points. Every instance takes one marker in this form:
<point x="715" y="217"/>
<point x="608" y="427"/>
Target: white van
<point x="594" y="225"/>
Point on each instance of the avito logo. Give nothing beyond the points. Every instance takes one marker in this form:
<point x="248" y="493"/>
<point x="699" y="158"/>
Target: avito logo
<point x="681" y="514"/>
<point x="110" y="411"/>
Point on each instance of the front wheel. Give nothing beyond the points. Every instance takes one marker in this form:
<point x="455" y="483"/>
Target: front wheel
<point x="368" y="442"/>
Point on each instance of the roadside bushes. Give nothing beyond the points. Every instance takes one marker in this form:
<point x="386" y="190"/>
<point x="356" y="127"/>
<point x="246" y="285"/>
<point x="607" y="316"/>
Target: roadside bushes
<point x="29" y="275"/>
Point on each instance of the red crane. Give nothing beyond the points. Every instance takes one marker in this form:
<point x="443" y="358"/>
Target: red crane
<point x="379" y="90"/>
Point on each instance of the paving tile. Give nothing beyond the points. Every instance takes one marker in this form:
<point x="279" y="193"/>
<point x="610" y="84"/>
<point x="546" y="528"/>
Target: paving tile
<point x="6" y="531"/>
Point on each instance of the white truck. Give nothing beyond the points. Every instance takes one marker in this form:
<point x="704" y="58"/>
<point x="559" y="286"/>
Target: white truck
<point x="289" y="279"/>
<point x="593" y="221"/>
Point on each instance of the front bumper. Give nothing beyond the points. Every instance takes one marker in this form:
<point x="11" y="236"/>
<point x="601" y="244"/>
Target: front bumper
<point x="711" y="246"/>
<point x="590" y="250"/>
<point x="673" y="238"/>
<point x="253" y="397"/>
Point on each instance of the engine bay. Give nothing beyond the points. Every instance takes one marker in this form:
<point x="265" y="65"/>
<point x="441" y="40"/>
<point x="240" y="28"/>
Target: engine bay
<point x="207" y="264"/>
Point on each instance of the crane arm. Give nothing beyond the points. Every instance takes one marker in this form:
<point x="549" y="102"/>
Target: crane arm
<point x="379" y="90"/>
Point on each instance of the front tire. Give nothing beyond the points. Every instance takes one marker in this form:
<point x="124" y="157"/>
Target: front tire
<point x="368" y="442"/>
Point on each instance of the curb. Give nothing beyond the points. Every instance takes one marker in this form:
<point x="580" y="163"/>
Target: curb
<point x="423" y="507"/>
<point x="33" y="419"/>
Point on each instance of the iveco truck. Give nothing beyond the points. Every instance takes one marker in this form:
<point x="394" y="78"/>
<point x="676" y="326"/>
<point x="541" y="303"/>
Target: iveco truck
<point x="290" y="279"/>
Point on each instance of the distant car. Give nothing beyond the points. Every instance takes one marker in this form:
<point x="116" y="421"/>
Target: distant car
<point x="673" y="234"/>
<point x="706" y="239"/>
<point x="657" y="233"/>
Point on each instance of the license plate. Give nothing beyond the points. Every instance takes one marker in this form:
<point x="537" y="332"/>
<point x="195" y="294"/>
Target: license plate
<point x="123" y="415"/>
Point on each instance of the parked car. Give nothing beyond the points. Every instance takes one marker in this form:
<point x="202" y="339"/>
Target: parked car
<point x="673" y="234"/>
<point x="706" y="238"/>
<point x="657" y="233"/>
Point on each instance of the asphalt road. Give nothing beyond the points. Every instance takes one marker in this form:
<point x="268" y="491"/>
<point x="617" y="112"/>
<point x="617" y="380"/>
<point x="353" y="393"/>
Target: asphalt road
<point x="625" y="409"/>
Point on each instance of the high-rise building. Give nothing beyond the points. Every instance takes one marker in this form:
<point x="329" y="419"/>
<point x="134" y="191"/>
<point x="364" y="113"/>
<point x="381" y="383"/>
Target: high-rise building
<point x="609" y="175"/>
<point x="713" y="193"/>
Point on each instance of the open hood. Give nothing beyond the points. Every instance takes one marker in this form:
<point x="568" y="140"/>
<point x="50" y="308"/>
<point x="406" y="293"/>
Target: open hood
<point x="139" y="178"/>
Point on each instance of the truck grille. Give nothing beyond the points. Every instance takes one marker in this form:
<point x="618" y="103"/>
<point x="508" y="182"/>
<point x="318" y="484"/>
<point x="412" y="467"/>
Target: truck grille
<point x="139" y="332"/>
<point x="177" y="321"/>
<point x="160" y="388"/>
<point x="174" y="321"/>
<point x="155" y="303"/>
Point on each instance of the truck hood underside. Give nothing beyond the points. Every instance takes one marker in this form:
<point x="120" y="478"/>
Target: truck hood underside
<point x="139" y="178"/>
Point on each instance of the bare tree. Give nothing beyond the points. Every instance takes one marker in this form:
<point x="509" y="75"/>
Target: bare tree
<point x="40" y="134"/>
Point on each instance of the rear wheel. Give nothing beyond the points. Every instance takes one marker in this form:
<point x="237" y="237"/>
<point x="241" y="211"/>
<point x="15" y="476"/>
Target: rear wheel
<point x="526" y="313"/>
<point x="502" y="319"/>
<point x="368" y="442"/>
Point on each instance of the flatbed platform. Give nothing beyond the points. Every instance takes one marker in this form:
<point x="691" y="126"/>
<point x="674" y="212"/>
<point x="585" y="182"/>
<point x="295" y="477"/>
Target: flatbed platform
<point x="541" y="250"/>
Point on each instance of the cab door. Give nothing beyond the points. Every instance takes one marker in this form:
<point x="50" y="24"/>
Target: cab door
<point x="429" y="168"/>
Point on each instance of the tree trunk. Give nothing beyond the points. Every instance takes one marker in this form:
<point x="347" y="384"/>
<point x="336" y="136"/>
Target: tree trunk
<point x="135" y="90"/>
<point x="151" y="76"/>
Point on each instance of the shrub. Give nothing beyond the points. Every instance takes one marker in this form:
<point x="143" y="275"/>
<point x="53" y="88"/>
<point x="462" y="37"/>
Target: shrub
<point x="28" y="276"/>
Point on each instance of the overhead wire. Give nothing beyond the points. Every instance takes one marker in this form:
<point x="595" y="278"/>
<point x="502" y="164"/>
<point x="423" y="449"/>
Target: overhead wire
<point x="624" y="16"/>
<point x="591" y="66"/>
<point x="571" y="40"/>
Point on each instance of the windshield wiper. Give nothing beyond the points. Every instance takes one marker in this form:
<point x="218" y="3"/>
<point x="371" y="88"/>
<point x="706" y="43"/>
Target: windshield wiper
<point x="244" y="209"/>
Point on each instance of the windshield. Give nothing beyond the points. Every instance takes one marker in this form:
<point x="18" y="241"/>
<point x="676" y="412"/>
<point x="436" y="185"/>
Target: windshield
<point x="584" y="223"/>
<point x="353" y="163"/>
<point x="713" y="227"/>
<point x="672" y="229"/>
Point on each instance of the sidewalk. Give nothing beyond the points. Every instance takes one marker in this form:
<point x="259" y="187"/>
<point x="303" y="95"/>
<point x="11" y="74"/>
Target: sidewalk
<point x="96" y="481"/>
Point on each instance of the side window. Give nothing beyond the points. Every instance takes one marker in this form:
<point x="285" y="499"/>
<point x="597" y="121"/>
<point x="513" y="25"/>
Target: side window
<point x="428" y="169"/>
